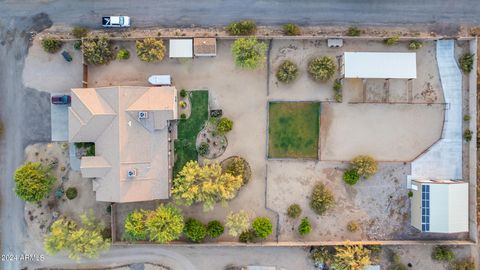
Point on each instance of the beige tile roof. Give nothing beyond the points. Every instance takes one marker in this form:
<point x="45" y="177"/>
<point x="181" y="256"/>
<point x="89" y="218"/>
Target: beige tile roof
<point x="205" y="46"/>
<point x="108" y="117"/>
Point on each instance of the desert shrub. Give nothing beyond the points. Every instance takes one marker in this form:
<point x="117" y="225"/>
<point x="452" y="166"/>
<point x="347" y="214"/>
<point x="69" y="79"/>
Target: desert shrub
<point x="337" y="86"/>
<point x="205" y="184"/>
<point x="466" y="62"/>
<point x="239" y="167"/>
<point x="321" y="256"/>
<point x="224" y="125"/>
<point x="321" y="199"/>
<point x="322" y="68"/>
<point x="33" y="182"/>
<point x="214" y="229"/>
<point x="466" y="118"/>
<point x="247" y="236"/>
<point x="354" y="31"/>
<point x="351" y="177"/>
<point x="394" y="257"/>
<point x="351" y="257"/>
<point x="353" y="226"/>
<point x="194" y="230"/>
<point x="305" y="226"/>
<point x="203" y="149"/>
<point x="464" y="264"/>
<point x="183" y="116"/>
<point x="51" y="45"/>
<point x="77" y="45"/>
<point x="248" y="53"/>
<point x="287" y="72"/>
<point x="164" y="224"/>
<point x="236" y="223"/>
<point x="123" y="54"/>
<point x="410" y="194"/>
<point x="262" y="227"/>
<point x="294" y="211"/>
<point x="415" y="45"/>
<point x="391" y="40"/>
<point x="79" y="32"/>
<point x="443" y="253"/>
<point x="467" y="135"/>
<point x="183" y="93"/>
<point x="242" y="28"/>
<point x="397" y="266"/>
<point x="365" y="166"/>
<point x="135" y="227"/>
<point x="150" y="49"/>
<point x="98" y="50"/>
<point x="71" y="193"/>
<point x="291" y="29"/>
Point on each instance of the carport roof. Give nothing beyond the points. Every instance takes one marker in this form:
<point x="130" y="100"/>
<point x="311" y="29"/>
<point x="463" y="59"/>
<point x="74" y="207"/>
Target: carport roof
<point x="180" y="48"/>
<point x="380" y="65"/>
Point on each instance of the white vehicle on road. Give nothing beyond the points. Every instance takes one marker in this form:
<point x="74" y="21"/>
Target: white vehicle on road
<point x="116" y="21"/>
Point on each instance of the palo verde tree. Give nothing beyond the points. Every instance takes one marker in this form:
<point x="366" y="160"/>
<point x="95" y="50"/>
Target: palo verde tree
<point x="248" y="53"/>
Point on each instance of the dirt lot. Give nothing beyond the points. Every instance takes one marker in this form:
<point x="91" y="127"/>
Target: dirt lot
<point x="388" y="132"/>
<point x="425" y="89"/>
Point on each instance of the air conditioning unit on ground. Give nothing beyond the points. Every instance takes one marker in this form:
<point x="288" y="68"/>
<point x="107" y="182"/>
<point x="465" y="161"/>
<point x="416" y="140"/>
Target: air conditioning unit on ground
<point x="142" y="115"/>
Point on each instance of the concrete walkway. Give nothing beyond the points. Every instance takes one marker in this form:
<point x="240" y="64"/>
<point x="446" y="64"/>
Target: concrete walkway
<point x="444" y="159"/>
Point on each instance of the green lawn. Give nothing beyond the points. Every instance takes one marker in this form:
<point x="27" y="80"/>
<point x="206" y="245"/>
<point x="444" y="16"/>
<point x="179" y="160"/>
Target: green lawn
<point x="188" y="129"/>
<point x="293" y="129"/>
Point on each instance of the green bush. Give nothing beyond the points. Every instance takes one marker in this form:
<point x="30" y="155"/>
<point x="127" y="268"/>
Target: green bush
<point x="354" y="31"/>
<point x="365" y="166"/>
<point x="305" y="227"/>
<point x="321" y="199"/>
<point x="51" y="45"/>
<point x="247" y="236"/>
<point x="123" y="54"/>
<point x="183" y="104"/>
<point x="79" y="32"/>
<point x="464" y="264"/>
<point x="353" y="226"/>
<point x="294" y="211"/>
<point x="291" y="29"/>
<point x="194" y="230"/>
<point x="391" y="40"/>
<point x="415" y="45"/>
<point x="287" y="72"/>
<point x="466" y="118"/>
<point x="33" y="182"/>
<point x="71" y="193"/>
<point x="150" y="49"/>
<point x="203" y="149"/>
<point x="164" y="224"/>
<point x="466" y="62"/>
<point x="77" y="45"/>
<point x="443" y="253"/>
<point x="467" y="135"/>
<point x="262" y="227"/>
<point x="224" y="125"/>
<point x="97" y="51"/>
<point x="135" y="228"/>
<point x="242" y="28"/>
<point x="351" y="177"/>
<point x="183" y="93"/>
<point x="410" y="194"/>
<point x="248" y="53"/>
<point x="322" y="68"/>
<point x="214" y="229"/>
<point x="183" y="116"/>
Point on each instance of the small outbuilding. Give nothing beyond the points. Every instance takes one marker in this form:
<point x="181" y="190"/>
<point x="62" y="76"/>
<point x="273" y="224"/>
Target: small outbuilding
<point x="379" y="65"/>
<point x="439" y="206"/>
<point x="180" y="48"/>
<point x="205" y="47"/>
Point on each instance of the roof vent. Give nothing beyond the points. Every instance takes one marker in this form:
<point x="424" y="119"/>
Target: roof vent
<point x="131" y="173"/>
<point x="142" y="115"/>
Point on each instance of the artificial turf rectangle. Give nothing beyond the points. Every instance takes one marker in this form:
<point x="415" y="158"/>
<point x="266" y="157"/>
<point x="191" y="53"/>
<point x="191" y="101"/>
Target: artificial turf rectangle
<point x="188" y="129"/>
<point x="293" y="129"/>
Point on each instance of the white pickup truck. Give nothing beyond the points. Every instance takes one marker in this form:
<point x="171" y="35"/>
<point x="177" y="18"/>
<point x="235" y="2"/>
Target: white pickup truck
<point x="116" y="21"/>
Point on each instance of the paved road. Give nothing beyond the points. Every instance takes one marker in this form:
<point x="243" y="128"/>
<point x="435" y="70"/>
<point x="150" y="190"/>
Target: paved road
<point x="220" y="12"/>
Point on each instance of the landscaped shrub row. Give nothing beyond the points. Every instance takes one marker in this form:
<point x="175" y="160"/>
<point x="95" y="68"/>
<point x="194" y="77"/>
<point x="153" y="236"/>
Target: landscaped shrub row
<point x="196" y="231"/>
